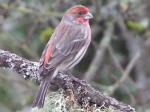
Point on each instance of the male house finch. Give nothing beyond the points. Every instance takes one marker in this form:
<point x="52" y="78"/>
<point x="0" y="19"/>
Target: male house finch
<point x="65" y="48"/>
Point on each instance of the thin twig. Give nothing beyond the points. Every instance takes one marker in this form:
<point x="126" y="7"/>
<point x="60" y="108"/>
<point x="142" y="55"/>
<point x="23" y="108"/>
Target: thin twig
<point x="100" y="52"/>
<point x="125" y="72"/>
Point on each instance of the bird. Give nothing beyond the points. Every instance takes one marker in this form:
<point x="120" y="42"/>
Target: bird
<point x="65" y="48"/>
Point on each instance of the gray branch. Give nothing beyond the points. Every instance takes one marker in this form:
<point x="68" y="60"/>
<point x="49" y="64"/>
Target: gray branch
<point x="83" y="92"/>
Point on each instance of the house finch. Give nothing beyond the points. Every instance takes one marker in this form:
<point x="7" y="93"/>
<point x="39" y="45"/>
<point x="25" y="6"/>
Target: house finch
<point x="65" y="48"/>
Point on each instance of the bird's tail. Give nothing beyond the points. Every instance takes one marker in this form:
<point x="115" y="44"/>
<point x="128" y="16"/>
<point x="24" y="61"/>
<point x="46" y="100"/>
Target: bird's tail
<point x="43" y="89"/>
<point x="41" y="94"/>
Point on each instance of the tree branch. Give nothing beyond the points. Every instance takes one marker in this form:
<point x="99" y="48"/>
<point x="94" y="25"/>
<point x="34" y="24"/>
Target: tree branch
<point x="83" y="92"/>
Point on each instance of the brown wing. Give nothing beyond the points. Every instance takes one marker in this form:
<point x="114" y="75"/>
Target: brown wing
<point x="69" y="41"/>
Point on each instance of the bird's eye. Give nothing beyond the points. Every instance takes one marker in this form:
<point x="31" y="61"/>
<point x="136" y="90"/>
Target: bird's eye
<point x="80" y="13"/>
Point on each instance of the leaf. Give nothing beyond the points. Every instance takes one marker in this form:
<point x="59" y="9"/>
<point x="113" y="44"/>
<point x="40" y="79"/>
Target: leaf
<point x="45" y="34"/>
<point x="136" y="26"/>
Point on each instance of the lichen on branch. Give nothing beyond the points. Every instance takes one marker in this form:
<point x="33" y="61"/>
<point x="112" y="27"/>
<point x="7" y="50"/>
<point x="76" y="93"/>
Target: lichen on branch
<point x="85" y="95"/>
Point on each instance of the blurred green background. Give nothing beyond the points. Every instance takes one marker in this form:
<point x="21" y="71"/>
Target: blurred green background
<point x="117" y="61"/>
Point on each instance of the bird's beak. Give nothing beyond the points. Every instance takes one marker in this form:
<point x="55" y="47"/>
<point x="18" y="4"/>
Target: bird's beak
<point x="88" y="16"/>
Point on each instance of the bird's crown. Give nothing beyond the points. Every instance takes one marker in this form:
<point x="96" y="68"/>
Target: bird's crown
<point x="78" y="9"/>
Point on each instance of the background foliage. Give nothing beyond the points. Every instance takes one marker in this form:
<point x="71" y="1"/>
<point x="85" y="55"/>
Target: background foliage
<point x="117" y="61"/>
